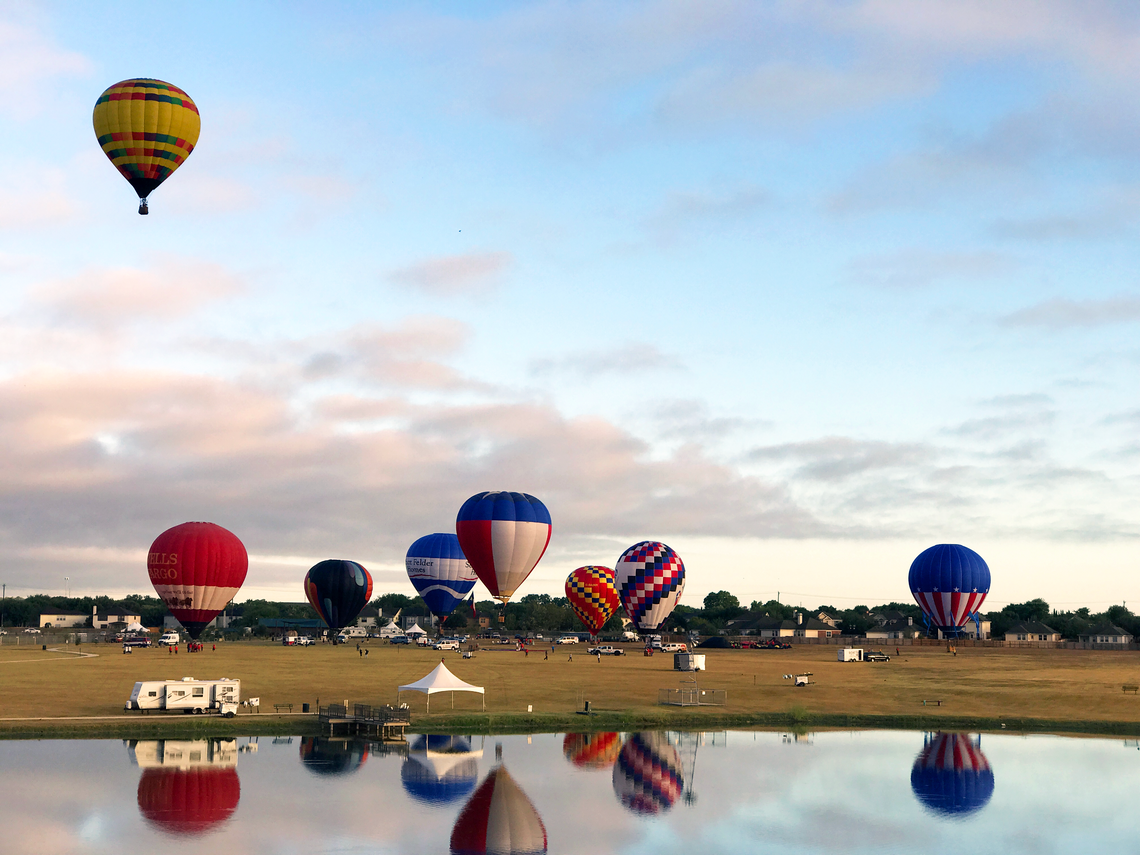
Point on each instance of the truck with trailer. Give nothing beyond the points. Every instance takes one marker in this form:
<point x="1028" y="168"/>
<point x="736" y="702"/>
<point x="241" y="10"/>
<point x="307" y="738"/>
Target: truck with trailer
<point x="188" y="695"/>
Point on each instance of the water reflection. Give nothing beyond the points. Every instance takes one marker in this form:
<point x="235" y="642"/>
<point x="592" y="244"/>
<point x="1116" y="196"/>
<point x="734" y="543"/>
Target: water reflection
<point x="188" y="787"/>
<point x="323" y="755"/>
<point x="951" y="776"/>
<point x="647" y="776"/>
<point x="499" y="819"/>
<point x="440" y="769"/>
<point x="591" y="750"/>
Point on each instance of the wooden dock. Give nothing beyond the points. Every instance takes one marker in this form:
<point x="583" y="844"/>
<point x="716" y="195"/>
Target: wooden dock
<point x="386" y="722"/>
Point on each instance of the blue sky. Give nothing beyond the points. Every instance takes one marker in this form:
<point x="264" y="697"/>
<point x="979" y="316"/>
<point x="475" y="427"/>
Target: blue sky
<point x="797" y="288"/>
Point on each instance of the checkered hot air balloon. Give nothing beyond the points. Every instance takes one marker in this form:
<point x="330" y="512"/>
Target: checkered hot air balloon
<point x="441" y="574"/>
<point x="593" y="596"/>
<point x="503" y="535"/>
<point x="949" y="582"/>
<point x="591" y="750"/>
<point x="147" y="128"/>
<point x="650" y="579"/>
<point x="498" y="819"/>
<point x="951" y="775"/>
<point x="647" y="775"/>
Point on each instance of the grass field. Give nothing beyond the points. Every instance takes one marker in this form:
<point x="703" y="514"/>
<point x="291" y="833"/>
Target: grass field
<point x="1071" y="689"/>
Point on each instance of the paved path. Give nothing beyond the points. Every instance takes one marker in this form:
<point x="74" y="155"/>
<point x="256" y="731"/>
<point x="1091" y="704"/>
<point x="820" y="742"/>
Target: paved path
<point x="66" y="657"/>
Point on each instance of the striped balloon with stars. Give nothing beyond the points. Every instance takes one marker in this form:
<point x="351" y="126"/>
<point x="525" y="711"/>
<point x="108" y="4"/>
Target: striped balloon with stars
<point x="949" y="582"/>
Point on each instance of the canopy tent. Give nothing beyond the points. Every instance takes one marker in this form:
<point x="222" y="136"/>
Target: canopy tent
<point x="416" y="630"/>
<point x="440" y="680"/>
<point x="135" y="627"/>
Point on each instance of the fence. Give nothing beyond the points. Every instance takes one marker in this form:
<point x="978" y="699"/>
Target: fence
<point x="692" y="696"/>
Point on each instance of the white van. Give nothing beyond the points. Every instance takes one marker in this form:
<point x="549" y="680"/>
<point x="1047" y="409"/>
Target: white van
<point x="170" y="638"/>
<point x="568" y="639"/>
<point x="446" y="644"/>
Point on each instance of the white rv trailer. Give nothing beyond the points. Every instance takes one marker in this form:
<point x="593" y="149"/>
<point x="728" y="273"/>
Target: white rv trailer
<point x="183" y="754"/>
<point x="188" y="695"/>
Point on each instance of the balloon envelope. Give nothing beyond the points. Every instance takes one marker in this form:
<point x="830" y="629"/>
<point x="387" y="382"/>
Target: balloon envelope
<point x="951" y="775"/>
<point x="188" y="802"/>
<point x="591" y="750"/>
<point x="647" y="775"/>
<point x="147" y="128"/>
<point x="196" y="569"/>
<point x="499" y="819"/>
<point x="338" y="590"/>
<point x="440" y="573"/>
<point x="503" y="535"/>
<point x="324" y="756"/>
<point x="650" y="579"/>
<point x="949" y="582"/>
<point x="440" y="769"/>
<point x="593" y="596"/>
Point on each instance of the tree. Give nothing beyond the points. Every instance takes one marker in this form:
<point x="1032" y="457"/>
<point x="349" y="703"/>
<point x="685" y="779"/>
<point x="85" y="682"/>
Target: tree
<point x="721" y="606"/>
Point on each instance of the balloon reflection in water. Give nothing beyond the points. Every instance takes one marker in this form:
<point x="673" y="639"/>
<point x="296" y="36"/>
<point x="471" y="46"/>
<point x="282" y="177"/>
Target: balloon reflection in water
<point x="591" y="750"/>
<point x="951" y="775"/>
<point x="187" y="787"/>
<point x="324" y="756"/>
<point x="440" y="769"/>
<point x="647" y="775"/>
<point x="499" y="819"/>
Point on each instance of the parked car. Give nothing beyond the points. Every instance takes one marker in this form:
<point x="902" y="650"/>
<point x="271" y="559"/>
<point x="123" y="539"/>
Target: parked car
<point x="605" y="650"/>
<point x="876" y="656"/>
<point x="423" y="641"/>
<point x="568" y="639"/>
<point x="169" y="638"/>
<point x="306" y="640"/>
<point x="674" y="647"/>
<point x="446" y="644"/>
<point x="31" y="630"/>
<point x="771" y="644"/>
<point x="399" y="639"/>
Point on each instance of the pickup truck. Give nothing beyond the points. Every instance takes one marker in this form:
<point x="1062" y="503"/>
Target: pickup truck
<point x="605" y="650"/>
<point x="674" y="647"/>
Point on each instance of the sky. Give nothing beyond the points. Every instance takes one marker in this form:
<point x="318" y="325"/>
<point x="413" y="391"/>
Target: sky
<point x="797" y="288"/>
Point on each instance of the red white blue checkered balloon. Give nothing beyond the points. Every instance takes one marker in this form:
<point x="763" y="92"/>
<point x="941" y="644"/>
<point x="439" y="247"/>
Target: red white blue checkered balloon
<point x="650" y="579"/>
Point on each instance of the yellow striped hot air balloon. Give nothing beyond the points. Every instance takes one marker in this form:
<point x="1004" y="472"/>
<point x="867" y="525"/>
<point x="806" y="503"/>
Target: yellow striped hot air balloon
<point x="146" y="128"/>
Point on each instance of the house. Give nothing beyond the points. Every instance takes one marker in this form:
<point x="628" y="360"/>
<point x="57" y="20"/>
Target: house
<point x="1106" y="633"/>
<point x="113" y="614"/>
<point x="220" y="622"/>
<point x="829" y="619"/>
<point x="369" y="618"/>
<point x="62" y="618"/>
<point x="1031" y="630"/>
<point x="800" y="626"/>
<point x="895" y="628"/>
<point x="969" y="631"/>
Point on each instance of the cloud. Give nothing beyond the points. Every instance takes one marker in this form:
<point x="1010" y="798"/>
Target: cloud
<point x="29" y="61"/>
<point x="916" y="268"/>
<point x="172" y="288"/>
<point x="452" y="275"/>
<point x="835" y="458"/>
<point x="1061" y="313"/>
<point x="35" y="195"/>
<point x="630" y="358"/>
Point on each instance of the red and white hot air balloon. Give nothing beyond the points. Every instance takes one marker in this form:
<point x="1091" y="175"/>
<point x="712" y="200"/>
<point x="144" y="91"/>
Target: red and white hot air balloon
<point x="498" y="819"/>
<point x="196" y="569"/>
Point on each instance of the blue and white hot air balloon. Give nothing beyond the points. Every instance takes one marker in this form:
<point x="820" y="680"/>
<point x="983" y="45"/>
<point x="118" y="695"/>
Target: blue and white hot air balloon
<point x="442" y="576"/>
<point x="950" y="583"/>
<point x="503" y="535"/>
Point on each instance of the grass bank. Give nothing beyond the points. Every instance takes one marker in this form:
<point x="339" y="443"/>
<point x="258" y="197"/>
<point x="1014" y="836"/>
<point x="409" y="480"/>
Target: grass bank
<point x="1061" y="691"/>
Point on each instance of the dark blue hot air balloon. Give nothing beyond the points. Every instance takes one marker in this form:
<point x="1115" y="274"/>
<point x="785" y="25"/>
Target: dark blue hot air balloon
<point x="951" y="776"/>
<point x="949" y="582"/>
<point x="442" y="576"/>
<point x="338" y="590"/>
<point x="324" y="756"/>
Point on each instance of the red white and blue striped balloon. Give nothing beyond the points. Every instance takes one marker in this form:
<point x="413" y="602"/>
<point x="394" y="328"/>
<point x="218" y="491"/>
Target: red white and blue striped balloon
<point x="952" y="776"/>
<point x="441" y="574"/>
<point x="949" y="582"/>
<point x="649" y="578"/>
<point x="503" y="535"/>
<point x="647" y="775"/>
<point x="498" y="819"/>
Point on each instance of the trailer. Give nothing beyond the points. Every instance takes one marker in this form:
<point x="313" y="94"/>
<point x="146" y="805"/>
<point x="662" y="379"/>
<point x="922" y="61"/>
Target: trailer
<point x="188" y="695"/>
<point x="850" y="654"/>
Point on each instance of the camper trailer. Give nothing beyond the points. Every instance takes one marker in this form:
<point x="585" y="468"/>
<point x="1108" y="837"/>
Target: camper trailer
<point x="188" y="695"/>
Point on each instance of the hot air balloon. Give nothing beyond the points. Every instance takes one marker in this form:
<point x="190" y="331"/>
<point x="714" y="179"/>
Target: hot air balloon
<point x="146" y="128"/>
<point x="338" y="590"/>
<point x="196" y="568"/>
<point x="951" y="775"/>
<point x="324" y="756"/>
<point x="949" y="582"/>
<point x="592" y="595"/>
<point x="650" y="579"/>
<point x="498" y="820"/>
<point x="503" y="535"/>
<point x="647" y="774"/>
<point x="440" y="573"/>
<point x="591" y="750"/>
<point x="188" y="802"/>
<point x="440" y="769"/>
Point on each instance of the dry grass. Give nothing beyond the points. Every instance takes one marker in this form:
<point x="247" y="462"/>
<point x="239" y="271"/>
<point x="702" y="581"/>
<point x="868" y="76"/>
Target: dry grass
<point x="1058" y="685"/>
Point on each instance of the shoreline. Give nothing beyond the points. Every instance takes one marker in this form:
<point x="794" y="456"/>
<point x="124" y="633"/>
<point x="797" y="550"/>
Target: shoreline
<point x="306" y="724"/>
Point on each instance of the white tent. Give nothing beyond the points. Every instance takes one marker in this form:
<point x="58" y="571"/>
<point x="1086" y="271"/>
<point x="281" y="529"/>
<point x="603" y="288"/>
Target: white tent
<point x="416" y="630"/>
<point x="136" y="627"/>
<point x="440" y="680"/>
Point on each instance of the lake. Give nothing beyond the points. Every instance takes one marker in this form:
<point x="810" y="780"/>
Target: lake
<point x="875" y="792"/>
